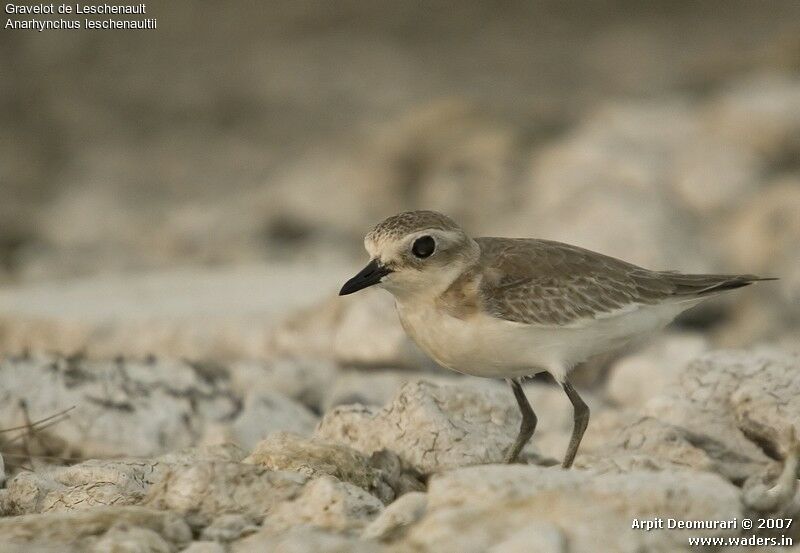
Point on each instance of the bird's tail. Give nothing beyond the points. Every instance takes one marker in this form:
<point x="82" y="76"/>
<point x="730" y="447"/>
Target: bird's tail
<point x="702" y="285"/>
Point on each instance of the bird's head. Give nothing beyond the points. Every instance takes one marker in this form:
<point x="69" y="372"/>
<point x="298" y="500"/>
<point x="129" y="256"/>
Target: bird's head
<point x="414" y="253"/>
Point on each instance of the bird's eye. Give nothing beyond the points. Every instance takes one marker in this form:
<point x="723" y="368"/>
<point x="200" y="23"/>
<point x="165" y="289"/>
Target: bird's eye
<point x="423" y="247"/>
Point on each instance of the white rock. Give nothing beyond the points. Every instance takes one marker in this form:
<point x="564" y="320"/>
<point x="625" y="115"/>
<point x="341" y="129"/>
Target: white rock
<point x="204" y="490"/>
<point x="397" y="517"/>
<point x="79" y="528"/>
<point x="446" y="155"/>
<point x="432" y="427"/>
<point x="761" y="112"/>
<point x="100" y="482"/>
<point x="637" y="377"/>
<point x="127" y="539"/>
<point x="382" y="474"/>
<point x="84" y="486"/>
<point x="302" y="540"/>
<point x="193" y="313"/>
<point x="304" y="380"/>
<point x="204" y="547"/>
<point x="474" y="508"/>
<point x="367" y="387"/>
<point x="137" y="408"/>
<point x="228" y="527"/>
<point x="141" y="407"/>
<point x="360" y="330"/>
<point x="325" y="503"/>
<point x="266" y="412"/>
<point x="543" y="537"/>
<point x="744" y="401"/>
<point x="616" y="167"/>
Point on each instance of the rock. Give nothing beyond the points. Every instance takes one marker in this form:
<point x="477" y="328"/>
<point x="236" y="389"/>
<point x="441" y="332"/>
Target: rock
<point x="743" y="401"/>
<point x="84" y="486"/>
<point x="616" y="167"/>
<point x="99" y="482"/>
<point x="447" y="156"/>
<point x="367" y="387"/>
<point x="302" y="540"/>
<point x="475" y="508"/>
<point x="335" y="330"/>
<point x="397" y="517"/>
<point x="193" y="313"/>
<point x="637" y="377"/>
<point x="325" y="503"/>
<point x="81" y="528"/>
<point x="228" y="528"/>
<point x="650" y="444"/>
<point x="542" y="537"/>
<point x="137" y="408"/>
<point x="304" y="380"/>
<point x="432" y="427"/>
<point x="203" y="491"/>
<point x="760" y="113"/>
<point x="762" y="237"/>
<point x="266" y="412"/>
<point x="204" y="547"/>
<point x="126" y="539"/>
<point x="315" y="458"/>
<point x="712" y="175"/>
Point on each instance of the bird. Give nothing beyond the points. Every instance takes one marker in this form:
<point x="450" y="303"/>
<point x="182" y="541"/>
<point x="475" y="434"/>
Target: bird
<point x="510" y="308"/>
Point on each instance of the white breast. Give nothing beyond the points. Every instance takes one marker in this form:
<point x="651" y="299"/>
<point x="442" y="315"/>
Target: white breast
<point x="482" y="345"/>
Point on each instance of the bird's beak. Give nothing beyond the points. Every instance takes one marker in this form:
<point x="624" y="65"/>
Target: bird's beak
<point x="369" y="275"/>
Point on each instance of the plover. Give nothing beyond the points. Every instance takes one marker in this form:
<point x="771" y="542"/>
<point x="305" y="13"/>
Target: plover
<point x="511" y="308"/>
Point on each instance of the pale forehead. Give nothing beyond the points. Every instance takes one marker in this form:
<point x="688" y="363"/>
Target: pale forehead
<point x="403" y="224"/>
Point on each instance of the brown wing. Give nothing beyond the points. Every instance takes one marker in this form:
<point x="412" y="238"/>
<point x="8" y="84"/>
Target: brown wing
<point x="550" y="283"/>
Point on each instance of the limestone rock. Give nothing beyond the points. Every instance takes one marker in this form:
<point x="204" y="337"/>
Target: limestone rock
<point x="127" y="539"/>
<point x="543" y="537"/>
<point x="745" y="401"/>
<point x="137" y="408"/>
<point x="315" y="458"/>
<point x="80" y="528"/>
<point x="204" y="547"/>
<point x="637" y="377"/>
<point x="397" y="517"/>
<point x="302" y="379"/>
<point x="446" y="155"/>
<point x="203" y="491"/>
<point x="335" y="329"/>
<point x="89" y="484"/>
<point x="229" y="527"/>
<point x="99" y="482"/>
<point x="761" y="113"/>
<point x="304" y="539"/>
<point x="325" y="503"/>
<point x="432" y="427"/>
<point x="367" y="387"/>
<point x="265" y="412"/>
<point x="193" y="313"/>
<point x="474" y="508"/>
<point x="615" y="166"/>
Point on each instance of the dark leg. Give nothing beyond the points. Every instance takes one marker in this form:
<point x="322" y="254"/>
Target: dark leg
<point x="580" y="422"/>
<point x="528" y="424"/>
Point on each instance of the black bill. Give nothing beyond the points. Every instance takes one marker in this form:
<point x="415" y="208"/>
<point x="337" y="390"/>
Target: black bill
<point x="369" y="275"/>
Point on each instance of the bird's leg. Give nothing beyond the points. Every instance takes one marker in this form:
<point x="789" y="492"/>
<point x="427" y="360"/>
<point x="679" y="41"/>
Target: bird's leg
<point x="528" y="424"/>
<point x="580" y="422"/>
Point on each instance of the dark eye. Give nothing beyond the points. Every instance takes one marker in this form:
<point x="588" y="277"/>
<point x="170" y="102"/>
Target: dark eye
<point x="423" y="246"/>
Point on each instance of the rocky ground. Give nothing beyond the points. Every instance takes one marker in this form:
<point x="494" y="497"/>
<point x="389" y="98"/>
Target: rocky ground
<point x="247" y="408"/>
<point x="178" y="374"/>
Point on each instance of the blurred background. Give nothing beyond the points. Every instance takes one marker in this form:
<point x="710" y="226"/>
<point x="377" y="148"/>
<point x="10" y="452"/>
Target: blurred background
<point x="169" y="191"/>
